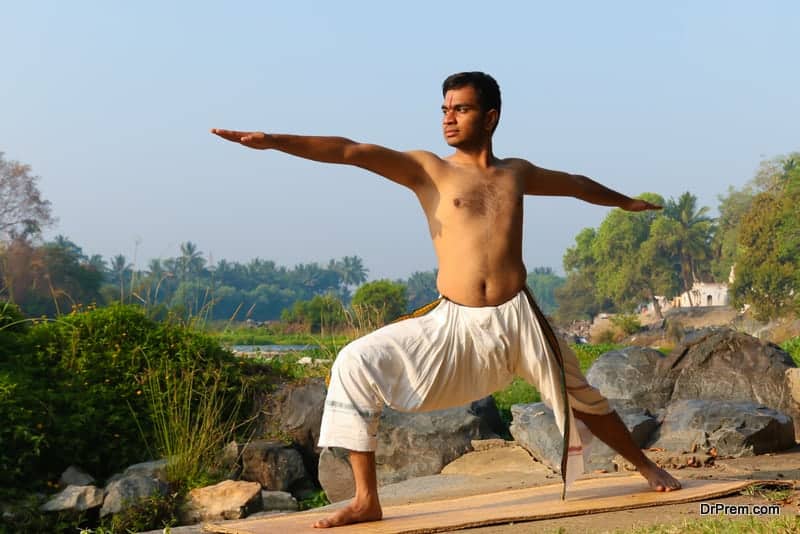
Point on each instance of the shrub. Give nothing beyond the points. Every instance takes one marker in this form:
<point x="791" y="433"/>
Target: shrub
<point x="74" y="385"/>
<point x="628" y="323"/>
<point x="792" y="346"/>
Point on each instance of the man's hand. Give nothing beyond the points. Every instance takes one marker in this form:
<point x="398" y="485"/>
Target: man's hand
<point x="637" y="204"/>
<point x="258" y="140"/>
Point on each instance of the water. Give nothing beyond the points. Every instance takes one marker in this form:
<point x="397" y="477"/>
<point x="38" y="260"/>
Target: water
<point x="272" y="348"/>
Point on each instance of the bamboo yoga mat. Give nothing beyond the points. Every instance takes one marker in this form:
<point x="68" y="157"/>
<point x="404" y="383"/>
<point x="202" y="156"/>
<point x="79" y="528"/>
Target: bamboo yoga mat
<point x="588" y="496"/>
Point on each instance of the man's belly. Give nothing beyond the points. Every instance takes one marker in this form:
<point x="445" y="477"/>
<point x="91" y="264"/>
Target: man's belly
<point x="477" y="287"/>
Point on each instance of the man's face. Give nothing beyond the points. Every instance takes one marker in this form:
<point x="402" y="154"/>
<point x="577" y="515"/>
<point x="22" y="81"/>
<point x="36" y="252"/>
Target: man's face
<point x="463" y="121"/>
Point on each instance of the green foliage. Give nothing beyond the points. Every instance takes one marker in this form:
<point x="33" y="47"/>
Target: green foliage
<point x="792" y="346"/>
<point x="319" y="313"/>
<point x="732" y="207"/>
<point x="634" y="256"/>
<point x="154" y="512"/>
<point x="768" y="262"/>
<point x="421" y="288"/>
<point x="387" y="298"/>
<point x="70" y="389"/>
<point x="628" y="323"/>
<point x="315" y="501"/>
<point x="192" y="420"/>
<point x="543" y="283"/>
<point x="587" y="353"/>
<point x="518" y="392"/>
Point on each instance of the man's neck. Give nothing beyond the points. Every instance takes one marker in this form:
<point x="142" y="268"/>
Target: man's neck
<point x="479" y="156"/>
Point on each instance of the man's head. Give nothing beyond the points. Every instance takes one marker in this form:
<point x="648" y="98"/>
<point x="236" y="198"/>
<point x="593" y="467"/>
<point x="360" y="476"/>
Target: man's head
<point x="471" y="100"/>
<point x="485" y="86"/>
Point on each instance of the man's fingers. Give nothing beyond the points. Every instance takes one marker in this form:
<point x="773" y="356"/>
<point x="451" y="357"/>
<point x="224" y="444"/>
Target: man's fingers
<point x="230" y="135"/>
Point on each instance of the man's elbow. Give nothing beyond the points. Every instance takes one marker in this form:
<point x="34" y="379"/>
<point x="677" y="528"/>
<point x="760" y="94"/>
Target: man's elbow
<point x="354" y="153"/>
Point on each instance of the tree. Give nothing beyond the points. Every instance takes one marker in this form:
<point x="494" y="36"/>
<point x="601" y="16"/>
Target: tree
<point x="386" y="298"/>
<point x="191" y="262"/>
<point x="351" y="269"/>
<point x="578" y="298"/>
<point x="767" y="272"/>
<point x="543" y="282"/>
<point x="732" y="208"/>
<point x="23" y="211"/>
<point x="691" y="237"/>
<point x="421" y="288"/>
<point x="120" y="269"/>
<point x="621" y="256"/>
<point x="322" y="311"/>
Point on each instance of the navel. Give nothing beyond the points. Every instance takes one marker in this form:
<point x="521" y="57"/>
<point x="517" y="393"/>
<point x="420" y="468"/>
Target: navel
<point x="457" y="202"/>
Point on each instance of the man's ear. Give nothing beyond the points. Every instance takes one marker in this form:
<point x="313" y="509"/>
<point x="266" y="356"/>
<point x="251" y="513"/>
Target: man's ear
<point x="490" y="120"/>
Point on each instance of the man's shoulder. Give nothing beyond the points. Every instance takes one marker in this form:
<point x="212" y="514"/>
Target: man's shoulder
<point x="517" y="162"/>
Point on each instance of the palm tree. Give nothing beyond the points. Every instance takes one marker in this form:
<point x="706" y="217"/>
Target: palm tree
<point x="119" y="267"/>
<point x="692" y="240"/>
<point x="191" y="260"/>
<point x="352" y="270"/>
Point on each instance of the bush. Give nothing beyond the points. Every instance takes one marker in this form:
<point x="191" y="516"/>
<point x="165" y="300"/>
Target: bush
<point x="792" y="346"/>
<point x="71" y="390"/>
<point x="628" y="323"/>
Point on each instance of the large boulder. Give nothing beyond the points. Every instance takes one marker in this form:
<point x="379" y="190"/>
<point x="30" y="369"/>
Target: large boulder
<point x="295" y="411"/>
<point x="409" y="445"/>
<point x="128" y="490"/>
<point x="273" y="464"/>
<point x="534" y="427"/>
<point x="230" y="499"/>
<point x="721" y="364"/>
<point x="733" y="428"/>
<point x="630" y="373"/>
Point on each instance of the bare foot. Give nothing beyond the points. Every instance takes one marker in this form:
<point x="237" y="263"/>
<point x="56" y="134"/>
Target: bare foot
<point x="355" y="512"/>
<point x="659" y="479"/>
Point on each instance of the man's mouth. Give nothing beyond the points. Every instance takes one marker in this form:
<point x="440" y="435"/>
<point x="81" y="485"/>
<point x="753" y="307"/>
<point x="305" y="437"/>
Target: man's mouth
<point x="450" y="133"/>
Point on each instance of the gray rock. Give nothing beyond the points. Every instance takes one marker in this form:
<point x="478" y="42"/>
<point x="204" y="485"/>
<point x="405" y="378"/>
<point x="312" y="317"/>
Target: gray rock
<point x="630" y="373"/>
<point x="278" y="501"/>
<point x="734" y="428"/>
<point x="128" y="490"/>
<point x="336" y="475"/>
<point x="409" y="445"/>
<point x="230" y="499"/>
<point x="533" y="426"/>
<point x="419" y="444"/>
<point x="295" y="410"/>
<point x="154" y="469"/>
<point x="641" y="426"/>
<point x="273" y="464"/>
<point x="75" y="476"/>
<point x="720" y="364"/>
<point x="77" y="498"/>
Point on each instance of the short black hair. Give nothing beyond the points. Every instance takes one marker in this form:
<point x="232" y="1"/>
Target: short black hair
<point x="485" y="86"/>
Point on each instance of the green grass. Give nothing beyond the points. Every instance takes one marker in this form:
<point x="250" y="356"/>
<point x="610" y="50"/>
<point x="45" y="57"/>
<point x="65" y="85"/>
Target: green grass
<point x="785" y="524"/>
<point x="792" y="346"/>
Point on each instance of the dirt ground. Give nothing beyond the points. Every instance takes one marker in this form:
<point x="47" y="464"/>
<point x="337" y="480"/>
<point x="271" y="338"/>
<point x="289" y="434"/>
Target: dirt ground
<point x="783" y="466"/>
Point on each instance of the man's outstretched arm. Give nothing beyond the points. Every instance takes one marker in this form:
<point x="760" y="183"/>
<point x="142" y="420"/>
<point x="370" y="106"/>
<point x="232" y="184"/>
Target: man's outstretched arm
<point x="405" y="168"/>
<point x="539" y="181"/>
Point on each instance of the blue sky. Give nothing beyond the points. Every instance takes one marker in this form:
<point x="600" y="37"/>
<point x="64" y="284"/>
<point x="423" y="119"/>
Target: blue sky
<point x="111" y="103"/>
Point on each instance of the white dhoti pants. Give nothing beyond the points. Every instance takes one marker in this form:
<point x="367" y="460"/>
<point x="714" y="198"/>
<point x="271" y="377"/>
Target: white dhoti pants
<point x="451" y="356"/>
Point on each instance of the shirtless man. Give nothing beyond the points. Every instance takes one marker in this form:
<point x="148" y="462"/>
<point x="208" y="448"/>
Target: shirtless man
<point x="473" y="203"/>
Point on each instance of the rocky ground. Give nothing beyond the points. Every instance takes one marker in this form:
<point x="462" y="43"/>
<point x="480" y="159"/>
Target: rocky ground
<point x="497" y="466"/>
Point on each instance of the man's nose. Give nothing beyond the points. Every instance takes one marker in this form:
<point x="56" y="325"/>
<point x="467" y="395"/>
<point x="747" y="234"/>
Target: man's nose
<point x="449" y="117"/>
